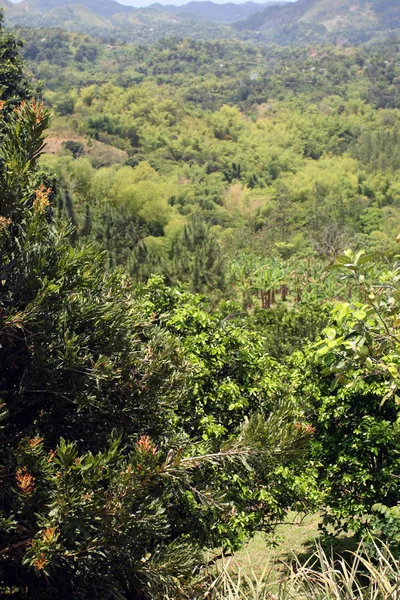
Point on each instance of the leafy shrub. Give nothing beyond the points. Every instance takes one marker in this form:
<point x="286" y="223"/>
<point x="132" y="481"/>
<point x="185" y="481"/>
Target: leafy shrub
<point x="287" y="329"/>
<point x="351" y="388"/>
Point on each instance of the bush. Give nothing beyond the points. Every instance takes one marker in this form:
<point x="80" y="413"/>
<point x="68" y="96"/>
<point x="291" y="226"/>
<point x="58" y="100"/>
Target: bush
<point x="351" y="385"/>
<point x="74" y="147"/>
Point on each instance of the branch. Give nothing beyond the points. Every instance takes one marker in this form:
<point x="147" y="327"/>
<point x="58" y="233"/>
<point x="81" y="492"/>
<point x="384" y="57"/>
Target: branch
<point x="228" y="453"/>
<point x="388" y="333"/>
<point x="53" y="393"/>
<point x="15" y="546"/>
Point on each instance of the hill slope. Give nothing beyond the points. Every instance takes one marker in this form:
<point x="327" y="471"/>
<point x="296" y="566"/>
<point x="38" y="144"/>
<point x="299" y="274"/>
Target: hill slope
<point x="107" y="18"/>
<point x="48" y="9"/>
<point x="279" y="22"/>
<point x="219" y="13"/>
<point x="325" y="20"/>
<point x="103" y="8"/>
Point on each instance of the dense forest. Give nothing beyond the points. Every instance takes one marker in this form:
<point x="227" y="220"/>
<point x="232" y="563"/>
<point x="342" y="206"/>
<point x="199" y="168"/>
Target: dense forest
<point x="199" y="306"/>
<point x="281" y="22"/>
<point x="233" y="155"/>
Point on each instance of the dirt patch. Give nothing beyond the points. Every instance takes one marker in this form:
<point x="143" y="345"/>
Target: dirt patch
<point x="54" y="144"/>
<point x="98" y="152"/>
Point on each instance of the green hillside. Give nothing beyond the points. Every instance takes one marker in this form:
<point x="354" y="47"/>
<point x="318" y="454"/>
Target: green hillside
<point x="284" y="23"/>
<point x="339" y="21"/>
<point x="228" y="12"/>
<point x="145" y="25"/>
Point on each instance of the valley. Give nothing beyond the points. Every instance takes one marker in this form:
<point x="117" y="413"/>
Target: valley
<point x="199" y="300"/>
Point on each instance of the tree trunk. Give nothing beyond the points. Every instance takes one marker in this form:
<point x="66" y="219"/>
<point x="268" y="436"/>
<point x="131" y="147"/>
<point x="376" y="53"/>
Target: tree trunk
<point x="268" y="303"/>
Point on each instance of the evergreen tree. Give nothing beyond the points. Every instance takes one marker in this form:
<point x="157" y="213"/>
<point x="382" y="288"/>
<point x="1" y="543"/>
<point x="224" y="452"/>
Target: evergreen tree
<point x="197" y="258"/>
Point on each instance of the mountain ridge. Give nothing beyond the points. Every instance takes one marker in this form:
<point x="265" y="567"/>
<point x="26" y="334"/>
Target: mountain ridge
<point x="108" y="17"/>
<point x="277" y="21"/>
<point x="227" y="12"/>
<point x="326" y="20"/>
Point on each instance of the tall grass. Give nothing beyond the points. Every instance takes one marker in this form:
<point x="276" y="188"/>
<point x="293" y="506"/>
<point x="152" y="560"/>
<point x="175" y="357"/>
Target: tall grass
<point x="358" y="576"/>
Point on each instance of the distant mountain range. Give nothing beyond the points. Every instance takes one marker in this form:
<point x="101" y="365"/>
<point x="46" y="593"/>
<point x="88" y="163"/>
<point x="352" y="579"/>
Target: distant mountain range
<point x="210" y="11"/>
<point x="339" y="21"/>
<point x="219" y="13"/>
<point x="281" y="22"/>
<point x="110" y="20"/>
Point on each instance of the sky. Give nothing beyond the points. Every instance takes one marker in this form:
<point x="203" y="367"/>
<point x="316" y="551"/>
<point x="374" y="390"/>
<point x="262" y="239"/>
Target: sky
<point x="138" y="3"/>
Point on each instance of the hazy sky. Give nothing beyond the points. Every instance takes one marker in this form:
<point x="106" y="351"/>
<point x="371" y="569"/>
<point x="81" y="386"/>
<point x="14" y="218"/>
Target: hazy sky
<point x="181" y="2"/>
<point x="138" y="3"/>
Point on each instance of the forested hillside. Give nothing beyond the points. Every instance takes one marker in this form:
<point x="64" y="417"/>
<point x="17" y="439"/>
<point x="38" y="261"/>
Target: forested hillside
<point x="199" y="304"/>
<point x="281" y="22"/>
<point x="221" y="13"/>
<point x="281" y="153"/>
<point x="340" y="22"/>
<point x="111" y="21"/>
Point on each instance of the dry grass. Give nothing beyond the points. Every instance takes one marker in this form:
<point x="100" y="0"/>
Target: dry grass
<point x="99" y="152"/>
<point x="355" y="576"/>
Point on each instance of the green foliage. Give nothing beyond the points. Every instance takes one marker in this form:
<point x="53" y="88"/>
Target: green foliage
<point x="75" y="148"/>
<point x="286" y="329"/>
<point x="277" y="164"/>
<point x="233" y="378"/>
<point x="197" y="257"/>
<point x="351" y="390"/>
<point x="118" y="465"/>
<point x="142" y="423"/>
<point x="111" y="22"/>
<point x="13" y="85"/>
<point x="354" y="21"/>
<point x="384" y="524"/>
